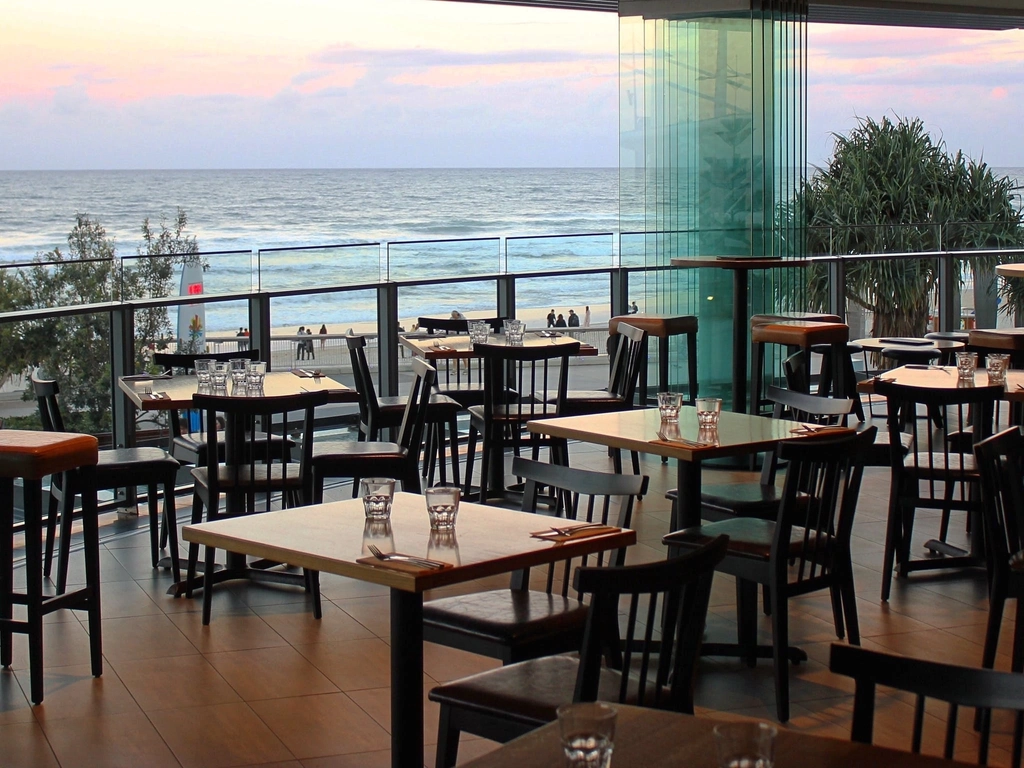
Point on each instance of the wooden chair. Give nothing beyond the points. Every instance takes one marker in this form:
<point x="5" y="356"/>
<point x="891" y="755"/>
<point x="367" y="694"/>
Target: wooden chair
<point x="653" y="657"/>
<point x="520" y="623"/>
<point x="806" y="549"/>
<point x="1001" y="464"/>
<point x="930" y="476"/>
<point x="518" y="382"/>
<point x="399" y="460"/>
<point x="257" y="469"/>
<point x="186" y="444"/>
<point x="985" y="689"/>
<point x="459" y="378"/>
<point x="116" y="468"/>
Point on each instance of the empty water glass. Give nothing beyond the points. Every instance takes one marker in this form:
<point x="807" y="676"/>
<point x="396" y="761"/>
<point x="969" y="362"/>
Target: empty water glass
<point x="966" y="364"/>
<point x="442" y="506"/>
<point x="238" y="367"/>
<point x="996" y="364"/>
<point x="219" y="378"/>
<point x="514" y="331"/>
<point x="708" y="411"/>
<point x="479" y="332"/>
<point x="254" y="375"/>
<point x="588" y="734"/>
<point x="203" y="368"/>
<point x="669" y="404"/>
<point x="377" y="495"/>
<point x="745" y="745"/>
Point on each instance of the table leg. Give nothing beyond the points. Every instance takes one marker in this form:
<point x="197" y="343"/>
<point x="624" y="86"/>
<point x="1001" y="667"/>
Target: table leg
<point x="406" y="679"/>
<point x="687" y="509"/>
<point x="740" y="285"/>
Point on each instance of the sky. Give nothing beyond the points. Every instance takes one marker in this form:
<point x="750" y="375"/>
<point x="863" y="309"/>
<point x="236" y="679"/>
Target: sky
<point x="420" y="83"/>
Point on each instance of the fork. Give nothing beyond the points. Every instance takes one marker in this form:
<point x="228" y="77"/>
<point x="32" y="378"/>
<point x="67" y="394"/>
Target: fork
<point x="385" y="556"/>
<point x="570" y="530"/>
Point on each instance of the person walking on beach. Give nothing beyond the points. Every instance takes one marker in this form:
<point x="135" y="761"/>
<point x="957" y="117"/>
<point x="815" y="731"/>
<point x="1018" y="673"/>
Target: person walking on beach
<point x="309" y="345"/>
<point x="560" y="322"/>
<point x="243" y="341"/>
<point x="300" y="347"/>
<point x="633" y="308"/>
<point x="574" y="319"/>
<point x="551" y="318"/>
<point x="586" y="317"/>
<point x="323" y="333"/>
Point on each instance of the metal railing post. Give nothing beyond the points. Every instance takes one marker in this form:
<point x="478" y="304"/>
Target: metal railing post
<point x="259" y="325"/>
<point x="506" y="296"/>
<point x="618" y="280"/>
<point x="947" y="295"/>
<point x="837" y="288"/>
<point x="387" y="338"/>
<point x="122" y="363"/>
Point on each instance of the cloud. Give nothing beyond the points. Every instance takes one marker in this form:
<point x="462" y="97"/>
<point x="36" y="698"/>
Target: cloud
<point x="433" y="57"/>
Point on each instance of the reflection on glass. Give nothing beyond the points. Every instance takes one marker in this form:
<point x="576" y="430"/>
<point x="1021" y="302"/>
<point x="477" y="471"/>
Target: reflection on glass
<point x="378" y="532"/>
<point x="443" y="545"/>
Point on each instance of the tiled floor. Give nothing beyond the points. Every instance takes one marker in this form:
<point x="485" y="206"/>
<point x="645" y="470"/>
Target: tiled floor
<point x="265" y="684"/>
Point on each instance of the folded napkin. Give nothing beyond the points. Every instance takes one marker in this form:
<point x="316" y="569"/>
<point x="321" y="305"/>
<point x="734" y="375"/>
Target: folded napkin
<point x="302" y="373"/>
<point x="549" y="334"/>
<point x="403" y="565"/>
<point x="155" y="396"/>
<point x="817" y="429"/>
<point x="908" y="342"/>
<point x="146" y="377"/>
<point x="584" y="533"/>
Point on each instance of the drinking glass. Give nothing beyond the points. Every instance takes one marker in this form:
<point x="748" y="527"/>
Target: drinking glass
<point x="966" y="364"/>
<point x="708" y="411"/>
<point x="203" y="369"/>
<point x="238" y="368"/>
<point x="377" y="495"/>
<point x="669" y="404"/>
<point x="219" y="378"/>
<point x="514" y="331"/>
<point x="479" y="332"/>
<point x="442" y="506"/>
<point x="254" y="375"/>
<point x="745" y="745"/>
<point x="996" y="364"/>
<point x="588" y="734"/>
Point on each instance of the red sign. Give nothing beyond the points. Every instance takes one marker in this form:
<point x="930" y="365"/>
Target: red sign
<point x="195" y="289"/>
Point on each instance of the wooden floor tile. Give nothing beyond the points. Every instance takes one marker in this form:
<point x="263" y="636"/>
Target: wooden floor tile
<point x="218" y="735"/>
<point x="297" y="626"/>
<point x="236" y="630"/>
<point x="173" y="683"/>
<point x="352" y="664"/>
<point x="144" y="637"/>
<point x="108" y="741"/>
<point x="73" y="691"/>
<point x="25" y="744"/>
<point x="270" y="673"/>
<point x="318" y="726"/>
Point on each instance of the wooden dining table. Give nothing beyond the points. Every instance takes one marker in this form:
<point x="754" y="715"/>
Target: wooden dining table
<point x="944" y="377"/>
<point x="738" y="434"/>
<point x="657" y="739"/>
<point x="335" y="537"/>
<point x="459" y="347"/>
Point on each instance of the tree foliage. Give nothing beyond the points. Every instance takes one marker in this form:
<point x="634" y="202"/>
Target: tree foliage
<point x="75" y="349"/>
<point x="891" y="188"/>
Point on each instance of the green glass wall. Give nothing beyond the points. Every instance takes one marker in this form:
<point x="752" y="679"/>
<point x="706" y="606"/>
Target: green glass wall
<point x="712" y="148"/>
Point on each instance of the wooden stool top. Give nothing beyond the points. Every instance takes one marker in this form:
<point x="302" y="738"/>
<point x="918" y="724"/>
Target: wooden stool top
<point x="661" y="326"/>
<point x="32" y="455"/>
<point x="1010" y="339"/>
<point x="800" y="333"/>
<point x="775" y="317"/>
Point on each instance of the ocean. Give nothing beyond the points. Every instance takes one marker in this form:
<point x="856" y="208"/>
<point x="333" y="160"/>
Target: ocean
<point x="256" y="210"/>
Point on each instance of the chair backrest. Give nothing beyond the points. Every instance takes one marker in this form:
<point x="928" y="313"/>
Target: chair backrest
<point x="410" y="434"/>
<point x="187" y="361"/>
<point x="46" y="391"/>
<point x="629" y="356"/>
<point x="663" y="607"/>
<point x="457" y="325"/>
<point x="369" y="407"/>
<point x="798" y="406"/>
<point x="943" y="452"/>
<point x="581" y="495"/>
<point x="258" y="452"/>
<point x="518" y="380"/>
<point x="985" y="689"/>
<point x="1001" y="464"/>
<point x="819" y="500"/>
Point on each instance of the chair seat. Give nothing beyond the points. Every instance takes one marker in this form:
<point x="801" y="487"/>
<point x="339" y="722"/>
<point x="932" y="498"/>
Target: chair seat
<point x="193" y="446"/>
<point x="747" y="536"/>
<point x="246" y="476"/>
<point x="142" y="465"/>
<point x="904" y="356"/>
<point x="529" y="692"/>
<point x="511" y="617"/>
<point x="743" y="499"/>
<point x="880" y="452"/>
<point x="33" y="455"/>
<point x="660" y="326"/>
<point x="935" y="466"/>
<point x="353" y="450"/>
<point x="438" y="404"/>
<point x="512" y="415"/>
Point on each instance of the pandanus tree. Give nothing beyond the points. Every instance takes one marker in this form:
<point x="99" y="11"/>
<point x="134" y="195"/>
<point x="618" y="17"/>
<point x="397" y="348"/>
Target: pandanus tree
<point x="891" y="188"/>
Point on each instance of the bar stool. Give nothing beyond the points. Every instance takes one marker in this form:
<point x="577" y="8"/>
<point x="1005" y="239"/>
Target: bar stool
<point x="31" y="456"/>
<point x="663" y="327"/>
<point x="797" y="335"/>
<point x="949" y="355"/>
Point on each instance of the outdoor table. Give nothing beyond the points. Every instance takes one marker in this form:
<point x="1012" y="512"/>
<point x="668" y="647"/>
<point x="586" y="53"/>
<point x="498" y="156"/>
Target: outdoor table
<point x="658" y="739"/>
<point x="739" y="434"/>
<point x="892" y="342"/>
<point x="460" y="348"/>
<point x="332" y="537"/>
<point x="179" y="389"/>
<point x="741" y="268"/>
<point x="1010" y="270"/>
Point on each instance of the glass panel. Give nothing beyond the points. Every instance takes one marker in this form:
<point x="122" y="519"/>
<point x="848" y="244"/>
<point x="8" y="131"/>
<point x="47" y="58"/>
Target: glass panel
<point x="558" y="252"/>
<point x="287" y="269"/>
<point x="475" y="298"/>
<point x="434" y="259"/>
<point x="539" y="296"/>
<point x="340" y="312"/>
